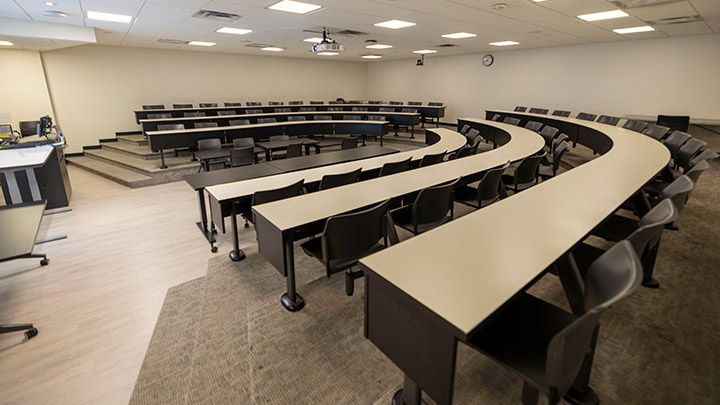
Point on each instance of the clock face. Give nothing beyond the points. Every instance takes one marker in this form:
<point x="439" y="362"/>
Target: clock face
<point x="488" y="60"/>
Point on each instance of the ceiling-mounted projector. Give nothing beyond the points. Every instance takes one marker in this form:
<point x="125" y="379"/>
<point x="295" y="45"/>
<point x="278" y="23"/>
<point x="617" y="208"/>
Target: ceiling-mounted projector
<point x="327" y="44"/>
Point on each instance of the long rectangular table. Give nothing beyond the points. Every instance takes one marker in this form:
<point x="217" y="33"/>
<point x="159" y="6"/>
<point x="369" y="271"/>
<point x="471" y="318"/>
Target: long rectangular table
<point x="430" y="292"/>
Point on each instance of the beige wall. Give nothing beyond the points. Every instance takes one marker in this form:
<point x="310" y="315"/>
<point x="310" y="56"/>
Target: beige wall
<point x="23" y="93"/>
<point x="645" y="77"/>
<point x="96" y="88"/>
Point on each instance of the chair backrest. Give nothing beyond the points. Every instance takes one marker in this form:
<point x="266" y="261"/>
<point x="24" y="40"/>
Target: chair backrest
<point x="182" y="105"/>
<point x="266" y="196"/>
<point x="489" y="187"/>
<point x="359" y="108"/>
<point x="435" y="104"/>
<point x="635" y="125"/>
<point x="386" y="109"/>
<point x="496" y="117"/>
<point x="612" y="277"/>
<point x="253" y="103"/>
<point x="243" y="142"/>
<point x="534" y="126"/>
<point x="409" y="110"/>
<point x="28" y="128"/>
<point x="675" y="140"/>
<point x="548" y="133"/>
<point x="471" y="135"/>
<point x="298" y="102"/>
<point x="194" y="114"/>
<point x="294" y="150"/>
<point x="697" y="170"/>
<point x="317" y="102"/>
<point x="558" y="152"/>
<point x="153" y="107"/>
<point x="527" y="170"/>
<point x="307" y="109"/>
<point x="465" y="151"/>
<point x="254" y="111"/>
<point x="376" y="118"/>
<point x="432" y="204"/>
<point x="464" y="130"/>
<point x="414" y="103"/>
<point x="395" y="167"/>
<point x="275" y="103"/>
<point x="648" y="234"/>
<point x="561" y="113"/>
<point x="375" y="102"/>
<point x="206" y="105"/>
<point x="336" y="180"/>
<point x="586" y="116"/>
<point x="349" y="143"/>
<point x="209" y="144"/>
<point x="233" y="104"/>
<point x="283" y="109"/>
<point x="432" y="159"/>
<point x="351" y="117"/>
<point x="396" y="103"/>
<point x="706" y="155"/>
<point x="355" y="102"/>
<point x="159" y="116"/>
<point x="678" y="191"/>
<point x="656" y="131"/>
<point x="238" y="122"/>
<point x="520" y="108"/>
<point x="674" y="122"/>
<point x="206" y="125"/>
<point x="323" y="118"/>
<point x="161" y="127"/>
<point x="226" y="112"/>
<point x="558" y="139"/>
<point x="536" y="110"/>
<point x="608" y="119"/>
<point x="266" y="120"/>
<point x="296" y="118"/>
<point x="242" y="156"/>
<point x="512" y="121"/>
<point x="280" y="138"/>
<point x="351" y="236"/>
<point x="688" y="151"/>
<point x="335" y="109"/>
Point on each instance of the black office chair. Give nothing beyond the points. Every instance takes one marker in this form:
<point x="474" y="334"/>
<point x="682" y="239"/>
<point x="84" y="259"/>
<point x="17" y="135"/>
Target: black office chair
<point x="674" y="141"/>
<point x="548" y="171"/>
<point x="206" y="125"/>
<point x="634" y="125"/>
<point x="464" y="151"/>
<point x="414" y="103"/>
<point x="158" y="116"/>
<point x="488" y="190"/>
<point x="359" y="109"/>
<point x="329" y="181"/>
<point x="28" y="128"/>
<point x="238" y="122"/>
<point x="210" y="144"/>
<point x="323" y="118"/>
<point x="351" y="117"/>
<point x="705" y="156"/>
<point x="471" y="135"/>
<point x="520" y="108"/>
<point x="182" y="106"/>
<point x="295" y="102"/>
<point x="535" y="110"/>
<point x="409" y="110"/>
<point x="267" y="196"/>
<point x="525" y="176"/>
<point x="283" y="109"/>
<point x="561" y="113"/>
<point x="432" y="159"/>
<point x="674" y="122"/>
<point x="395" y="103"/>
<point x="432" y="207"/>
<point x="608" y="119"/>
<point x="375" y="102"/>
<point x="207" y="105"/>
<point x="496" y="117"/>
<point x="242" y="156"/>
<point x="687" y="152"/>
<point x="294" y="150"/>
<point x="266" y="120"/>
<point x="296" y="118"/>
<point x="153" y="107"/>
<point x="549" y="134"/>
<point x="279" y="138"/>
<point x="233" y="104"/>
<point x="307" y="109"/>
<point x="355" y="102"/>
<point x="678" y="191"/>
<point x="435" y="104"/>
<point x="547" y="346"/>
<point x="253" y="103"/>
<point x="249" y="142"/>
<point x="376" y="118"/>
<point x="347" y="238"/>
<point x="656" y="131"/>
<point x="534" y="126"/>
<point x="349" y="143"/>
<point x="275" y="103"/>
<point x="335" y="109"/>
<point x="511" y="121"/>
<point x="193" y="114"/>
<point x="586" y="116"/>
<point x="395" y="167"/>
<point x="170" y="127"/>
<point x="254" y="111"/>
<point x="317" y="102"/>
<point x="464" y="129"/>
<point x="227" y="112"/>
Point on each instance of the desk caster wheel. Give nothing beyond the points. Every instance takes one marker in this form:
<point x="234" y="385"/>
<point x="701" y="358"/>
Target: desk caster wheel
<point x="247" y="225"/>
<point x="213" y="249"/>
<point x="31" y="333"/>
<point x="44" y="262"/>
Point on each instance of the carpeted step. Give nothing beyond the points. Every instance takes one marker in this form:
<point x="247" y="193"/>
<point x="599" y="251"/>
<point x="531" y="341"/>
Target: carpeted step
<point x="111" y="171"/>
<point x="132" y="149"/>
<point x="139" y="140"/>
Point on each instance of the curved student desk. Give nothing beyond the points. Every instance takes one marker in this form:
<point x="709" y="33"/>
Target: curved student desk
<point x="278" y="223"/>
<point x="431" y="291"/>
<point x="188" y="138"/>
<point x="395" y="118"/>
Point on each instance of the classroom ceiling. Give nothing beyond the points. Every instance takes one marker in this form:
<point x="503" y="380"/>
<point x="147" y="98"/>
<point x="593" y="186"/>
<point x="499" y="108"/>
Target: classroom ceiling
<point x="533" y="25"/>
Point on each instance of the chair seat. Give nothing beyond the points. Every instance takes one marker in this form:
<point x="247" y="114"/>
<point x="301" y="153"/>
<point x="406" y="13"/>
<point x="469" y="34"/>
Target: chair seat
<point x="327" y="143"/>
<point x="545" y="171"/>
<point x="468" y="195"/>
<point x="402" y="217"/>
<point x="518" y="336"/>
<point x="585" y="255"/>
<point x="508" y="180"/>
<point x="616" y="228"/>
<point x="313" y="247"/>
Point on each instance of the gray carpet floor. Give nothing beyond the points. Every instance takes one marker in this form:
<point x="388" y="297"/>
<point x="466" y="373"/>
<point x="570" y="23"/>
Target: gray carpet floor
<point x="225" y="338"/>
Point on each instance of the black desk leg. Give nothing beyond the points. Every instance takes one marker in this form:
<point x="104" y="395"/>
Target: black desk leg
<point x="162" y="160"/>
<point x="267" y="155"/>
<point x="291" y="300"/>
<point x="412" y="132"/>
<point x="381" y="139"/>
<point x="307" y="150"/>
<point x="203" y="224"/>
<point x="410" y="394"/>
<point x="206" y="162"/>
<point x="236" y="254"/>
<point x="396" y="130"/>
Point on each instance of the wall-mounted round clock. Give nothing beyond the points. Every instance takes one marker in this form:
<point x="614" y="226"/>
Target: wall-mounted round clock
<point x="488" y="60"/>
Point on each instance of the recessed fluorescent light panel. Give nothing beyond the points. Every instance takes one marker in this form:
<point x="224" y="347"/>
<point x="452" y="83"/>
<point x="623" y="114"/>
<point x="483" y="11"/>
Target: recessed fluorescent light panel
<point x="272" y="49"/>
<point x="395" y="24"/>
<point x="314" y="40"/>
<point x="96" y="15"/>
<point x="538" y="1"/>
<point x="328" y="53"/>
<point x="50" y="3"/>
<point x="6" y="43"/>
<point x="296" y="7"/>
<point x="425" y="51"/>
<point x="236" y="31"/>
<point x="504" y="43"/>
<point x="632" y="30"/>
<point x="201" y="43"/>
<point x="378" y="46"/>
<point x="372" y="57"/>
<point x="603" y="15"/>
<point x="459" y="35"/>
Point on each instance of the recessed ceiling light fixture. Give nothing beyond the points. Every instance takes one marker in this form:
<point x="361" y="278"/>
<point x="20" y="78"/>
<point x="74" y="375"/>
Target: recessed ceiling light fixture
<point x="6" y="43"/>
<point x="459" y="35"/>
<point x="314" y="40"/>
<point x="96" y="15"/>
<point x="632" y="30"/>
<point x="425" y="51"/>
<point x="504" y="43"/>
<point x="538" y="1"/>
<point x="50" y="3"/>
<point x="328" y="53"/>
<point x="378" y="46"/>
<point x="296" y="7"/>
<point x="272" y="49"/>
<point x="603" y="15"/>
<point x="372" y="56"/>
<point x="395" y="24"/>
<point x="201" y="43"/>
<point x="236" y="31"/>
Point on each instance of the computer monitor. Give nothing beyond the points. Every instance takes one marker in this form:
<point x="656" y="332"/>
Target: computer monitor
<point x="5" y="129"/>
<point x="28" y="128"/>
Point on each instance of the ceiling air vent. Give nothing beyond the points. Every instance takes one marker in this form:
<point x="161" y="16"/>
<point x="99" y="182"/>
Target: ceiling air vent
<point x="256" y="45"/>
<point x="446" y="46"/>
<point x="217" y="15"/>
<point x="628" y="4"/>
<point x="676" y="20"/>
<point x="173" y="41"/>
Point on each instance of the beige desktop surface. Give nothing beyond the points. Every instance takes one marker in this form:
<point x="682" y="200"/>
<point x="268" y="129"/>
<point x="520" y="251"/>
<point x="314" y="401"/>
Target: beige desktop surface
<point x="267" y="124"/>
<point x="274" y="114"/>
<point x="465" y="270"/>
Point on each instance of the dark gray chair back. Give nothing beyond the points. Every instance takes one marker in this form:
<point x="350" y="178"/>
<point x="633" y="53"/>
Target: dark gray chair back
<point x="351" y="117"/>
<point x="706" y="155"/>
<point x="496" y="117"/>
<point x="548" y="133"/>
<point x="296" y="118"/>
<point x="678" y="191"/>
<point x="656" y="131"/>
<point x="634" y="125"/>
<point x="464" y="130"/>
<point x="279" y="138"/>
<point x="414" y="103"/>
<point x="253" y="103"/>
<point x="159" y="116"/>
<point x="534" y="126"/>
<point x="697" y="170"/>
<point x="206" y="125"/>
<point x="435" y="104"/>
<point x="323" y="118"/>
<point x="395" y="103"/>
<point x="154" y="107"/>
<point x="512" y="121"/>
<point x="386" y="109"/>
<point x="675" y="140"/>
<point x="355" y="102"/>
<point x="209" y="144"/>
<point x="608" y="119"/>
<point x="336" y="109"/>
<point x="376" y="118"/>
<point x="243" y="142"/>
<point x="586" y="116"/>
<point x="674" y="122"/>
<point x="275" y="103"/>
<point x="161" y="127"/>
<point x="294" y="150"/>
<point x="535" y="110"/>
<point x="266" y="120"/>
<point x="317" y="102"/>
<point x="527" y="170"/>
<point x="226" y="112"/>
<point x="688" y="151"/>
<point x="295" y="102"/>
<point x="307" y="109"/>
<point x="283" y="109"/>
<point x="254" y="111"/>
<point x="182" y="105"/>
<point x="238" y="122"/>
<point x="359" y="109"/>
<point x="561" y="113"/>
<point x="233" y="104"/>
<point x="409" y="110"/>
<point x="489" y="190"/>
<point x="375" y="102"/>
<point x="349" y="237"/>
<point x="336" y="180"/>
<point x="266" y="196"/>
<point x="465" y="151"/>
<point x="432" y="159"/>
<point x="558" y="153"/>
<point x="349" y="143"/>
<point x="647" y="236"/>
<point x="471" y="135"/>
<point x="207" y="105"/>
<point x="395" y="167"/>
<point x="194" y="114"/>
<point x="242" y="156"/>
<point x="520" y="108"/>
<point x="432" y="204"/>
